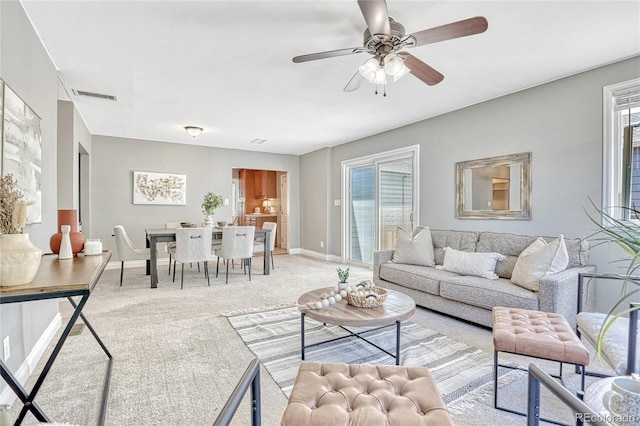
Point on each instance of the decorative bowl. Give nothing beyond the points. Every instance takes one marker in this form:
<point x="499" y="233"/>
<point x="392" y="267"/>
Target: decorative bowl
<point x="368" y="298"/>
<point x="222" y="223"/>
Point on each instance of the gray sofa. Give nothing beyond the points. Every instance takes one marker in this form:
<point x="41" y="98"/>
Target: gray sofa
<point x="472" y="298"/>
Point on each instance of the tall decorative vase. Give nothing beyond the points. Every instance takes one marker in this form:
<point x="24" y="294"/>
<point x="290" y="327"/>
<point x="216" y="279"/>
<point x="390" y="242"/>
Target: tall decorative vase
<point x="67" y="217"/>
<point x="65" y="244"/>
<point x="208" y="220"/>
<point x="19" y="259"/>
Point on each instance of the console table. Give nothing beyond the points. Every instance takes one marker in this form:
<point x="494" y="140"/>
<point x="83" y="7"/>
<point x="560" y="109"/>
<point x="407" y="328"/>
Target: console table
<point x="57" y="279"/>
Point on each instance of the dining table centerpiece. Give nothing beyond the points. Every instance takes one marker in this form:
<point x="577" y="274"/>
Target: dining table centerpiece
<point x="209" y="204"/>
<point x="19" y="257"/>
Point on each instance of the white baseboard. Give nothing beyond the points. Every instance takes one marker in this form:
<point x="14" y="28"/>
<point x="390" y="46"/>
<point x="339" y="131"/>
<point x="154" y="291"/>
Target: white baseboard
<point x="28" y="366"/>
<point x="322" y="256"/>
<point x="135" y="263"/>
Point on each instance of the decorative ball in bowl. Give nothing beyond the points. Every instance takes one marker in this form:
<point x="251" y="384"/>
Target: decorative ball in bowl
<point x="222" y="223"/>
<point x="367" y="297"/>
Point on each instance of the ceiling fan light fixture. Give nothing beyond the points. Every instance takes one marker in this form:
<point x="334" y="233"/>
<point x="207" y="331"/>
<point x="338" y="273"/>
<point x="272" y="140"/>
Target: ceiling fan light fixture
<point x="392" y="64"/>
<point x="381" y="77"/>
<point x="403" y="71"/>
<point x="369" y="69"/>
<point x="193" y="131"/>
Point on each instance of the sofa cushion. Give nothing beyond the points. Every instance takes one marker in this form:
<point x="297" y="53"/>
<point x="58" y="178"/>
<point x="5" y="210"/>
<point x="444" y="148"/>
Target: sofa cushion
<point x="459" y="240"/>
<point x="414" y="249"/>
<point x="486" y="294"/>
<point x="511" y="245"/>
<point x="538" y="260"/>
<point x="420" y="278"/>
<point x="476" y="264"/>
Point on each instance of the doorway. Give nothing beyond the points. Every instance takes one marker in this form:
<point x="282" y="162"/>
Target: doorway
<point x="260" y="196"/>
<point x="379" y="196"/>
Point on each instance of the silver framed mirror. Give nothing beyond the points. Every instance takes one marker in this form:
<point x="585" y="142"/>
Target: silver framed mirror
<point x="494" y="188"/>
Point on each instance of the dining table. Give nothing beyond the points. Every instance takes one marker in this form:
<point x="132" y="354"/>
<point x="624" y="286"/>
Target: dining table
<point x="162" y="235"/>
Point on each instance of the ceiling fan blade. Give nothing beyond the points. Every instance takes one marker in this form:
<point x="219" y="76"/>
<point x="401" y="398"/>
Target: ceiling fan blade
<point x="327" y="54"/>
<point x="421" y="70"/>
<point x="458" y="29"/>
<point x="376" y="15"/>
<point x="354" y="83"/>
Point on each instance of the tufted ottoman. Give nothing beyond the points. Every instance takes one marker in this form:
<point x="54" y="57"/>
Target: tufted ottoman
<point x="358" y="394"/>
<point x="536" y="334"/>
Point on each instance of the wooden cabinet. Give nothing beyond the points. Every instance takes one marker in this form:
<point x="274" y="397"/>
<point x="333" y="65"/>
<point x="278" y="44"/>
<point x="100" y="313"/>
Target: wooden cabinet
<point x="264" y="184"/>
<point x="259" y="220"/>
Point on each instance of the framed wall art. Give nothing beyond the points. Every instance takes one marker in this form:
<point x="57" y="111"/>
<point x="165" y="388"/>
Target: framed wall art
<point x="22" y="150"/>
<point x="159" y="188"/>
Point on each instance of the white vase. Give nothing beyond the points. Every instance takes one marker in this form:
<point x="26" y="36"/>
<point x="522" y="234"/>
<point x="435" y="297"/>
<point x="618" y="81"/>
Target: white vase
<point x="66" y="252"/>
<point x="19" y="259"/>
<point x="208" y="220"/>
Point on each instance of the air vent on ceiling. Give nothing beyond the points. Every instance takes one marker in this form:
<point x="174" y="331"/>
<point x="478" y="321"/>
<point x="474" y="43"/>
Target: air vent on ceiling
<point x="258" y="141"/>
<point x="94" y="95"/>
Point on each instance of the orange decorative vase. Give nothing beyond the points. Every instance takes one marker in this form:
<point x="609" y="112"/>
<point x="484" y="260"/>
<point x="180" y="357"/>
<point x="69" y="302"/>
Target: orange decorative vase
<point x="67" y="217"/>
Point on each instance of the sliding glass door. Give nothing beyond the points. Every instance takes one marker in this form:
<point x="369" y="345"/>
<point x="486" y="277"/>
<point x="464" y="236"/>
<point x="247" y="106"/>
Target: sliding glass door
<point x="380" y="198"/>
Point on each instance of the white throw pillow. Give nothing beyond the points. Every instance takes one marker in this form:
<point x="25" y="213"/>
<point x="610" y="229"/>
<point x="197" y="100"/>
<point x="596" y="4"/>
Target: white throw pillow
<point x="538" y="260"/>
<point x="471" y="263"/>
<point x="416" y="249"/>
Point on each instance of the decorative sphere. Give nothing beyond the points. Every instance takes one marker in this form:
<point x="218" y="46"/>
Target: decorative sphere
<point x="333" y="293"/>
<point x="332" y="300"/>
<point x="319" y="305"/>
<point x="349" y="289"/>
<point x="343" y="293"/>
<point x="325" y="302"/>
<point x="338" y="297"/>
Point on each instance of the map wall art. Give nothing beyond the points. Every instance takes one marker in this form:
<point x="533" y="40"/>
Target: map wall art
<point x="159" y="188"/>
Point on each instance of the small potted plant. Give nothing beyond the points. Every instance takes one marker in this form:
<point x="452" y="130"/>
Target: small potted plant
<point x="19" y="258"/>
<point x="343" y="275"/>
<point x="209" y="204"/>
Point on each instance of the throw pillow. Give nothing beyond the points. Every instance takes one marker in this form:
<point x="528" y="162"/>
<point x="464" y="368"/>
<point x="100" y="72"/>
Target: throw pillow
<point x="538" y="260"/>
<point x="471" y="263"/>
<point x="414" y="249"/>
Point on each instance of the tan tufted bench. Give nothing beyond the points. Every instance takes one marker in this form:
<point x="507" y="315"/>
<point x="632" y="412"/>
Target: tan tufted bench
<point x="349" y="394"/>
<point x="543" y="335"/>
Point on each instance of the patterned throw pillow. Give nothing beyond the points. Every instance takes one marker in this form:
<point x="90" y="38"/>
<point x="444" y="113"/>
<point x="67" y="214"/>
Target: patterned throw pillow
<point x="471" y="263"/>
<point x="414" y="249"/>
<point x="538" y="260"/>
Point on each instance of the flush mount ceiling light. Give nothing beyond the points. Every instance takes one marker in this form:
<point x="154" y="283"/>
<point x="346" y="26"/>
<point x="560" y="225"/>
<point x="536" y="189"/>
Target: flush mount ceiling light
<point x="193" y="131"/>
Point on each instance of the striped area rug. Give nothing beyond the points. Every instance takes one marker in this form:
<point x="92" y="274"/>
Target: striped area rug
<point x="274" y="337"/>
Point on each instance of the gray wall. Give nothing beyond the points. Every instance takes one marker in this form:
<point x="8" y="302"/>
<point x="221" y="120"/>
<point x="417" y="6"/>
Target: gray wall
<point x="208" y="170"/>
<point x="559" y="122"/>
<point x="315" y="184"/>
<point x="25" y="66"/>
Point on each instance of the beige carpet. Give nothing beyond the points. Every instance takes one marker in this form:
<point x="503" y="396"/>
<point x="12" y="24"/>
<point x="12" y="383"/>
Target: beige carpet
<point x="177" y="358"/>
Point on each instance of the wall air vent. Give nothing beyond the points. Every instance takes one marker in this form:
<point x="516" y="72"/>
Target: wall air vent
<point x="94" y="95"/>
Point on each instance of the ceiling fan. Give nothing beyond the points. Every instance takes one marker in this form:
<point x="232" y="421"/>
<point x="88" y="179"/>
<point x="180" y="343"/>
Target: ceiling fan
<point x="385" y="39"/>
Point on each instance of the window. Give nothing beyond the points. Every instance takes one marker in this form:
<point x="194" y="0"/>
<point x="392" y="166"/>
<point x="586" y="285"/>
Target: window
<point x="621" y="181"/>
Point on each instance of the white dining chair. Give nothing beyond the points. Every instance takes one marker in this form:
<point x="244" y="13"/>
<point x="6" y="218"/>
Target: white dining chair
<point x="258" y="245"/>
<point x="192" y="245"/>
<point x="170" y="247"/>
<point x="237" y="243"/>
<point x="126" y="250"/>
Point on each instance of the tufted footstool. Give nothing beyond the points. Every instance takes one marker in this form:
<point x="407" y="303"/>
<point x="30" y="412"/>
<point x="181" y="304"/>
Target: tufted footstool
<point x="351" y="394"/>
<point x="543" y="335"/>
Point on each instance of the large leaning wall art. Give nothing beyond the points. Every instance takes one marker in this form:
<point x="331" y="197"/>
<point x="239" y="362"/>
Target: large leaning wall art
<point x="22" y="149"/>
<point x="159" y="188"/>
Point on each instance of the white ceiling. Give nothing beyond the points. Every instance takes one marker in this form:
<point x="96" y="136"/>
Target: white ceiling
<point x="226" y="65"/>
